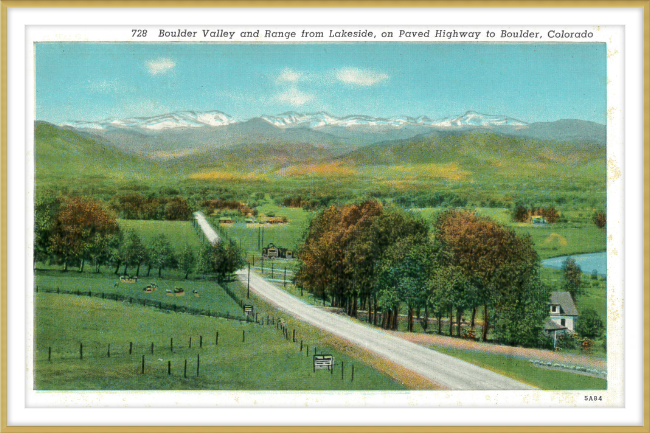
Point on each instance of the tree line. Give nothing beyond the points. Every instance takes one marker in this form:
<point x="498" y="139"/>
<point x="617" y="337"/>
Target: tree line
<point x="387" y="259"/>
<point x="78" y="231"/>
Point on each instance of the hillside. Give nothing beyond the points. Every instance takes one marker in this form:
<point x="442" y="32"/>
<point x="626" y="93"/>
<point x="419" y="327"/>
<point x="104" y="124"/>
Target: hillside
<point x="67" y="154"/>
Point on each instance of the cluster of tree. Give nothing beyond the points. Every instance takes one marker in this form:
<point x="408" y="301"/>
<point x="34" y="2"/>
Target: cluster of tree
<point x="76" y="231"/>
<point x="523" y="214"/>
<point x="137" y="206"/>
<point x="305" y="202"/>
<point x="72" y="230"/>
<point x="387" y="258"/>
<point x="223" y="204"/>
<point x="221" y="259"/>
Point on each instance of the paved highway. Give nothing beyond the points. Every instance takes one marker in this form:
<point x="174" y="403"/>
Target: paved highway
<point x="445" y="370"/>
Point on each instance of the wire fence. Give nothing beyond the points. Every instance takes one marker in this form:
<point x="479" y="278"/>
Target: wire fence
<point x="151" y="303"/>
<point x="170" y="356"/>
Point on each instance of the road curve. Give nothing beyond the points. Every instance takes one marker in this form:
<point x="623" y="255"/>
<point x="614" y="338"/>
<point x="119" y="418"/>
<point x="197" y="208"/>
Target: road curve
<point x="443" y="369"/>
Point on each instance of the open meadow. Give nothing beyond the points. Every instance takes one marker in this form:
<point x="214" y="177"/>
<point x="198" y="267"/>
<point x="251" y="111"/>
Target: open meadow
<point x="94" y="344"/>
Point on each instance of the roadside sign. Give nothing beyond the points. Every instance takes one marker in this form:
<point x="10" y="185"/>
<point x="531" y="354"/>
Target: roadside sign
<point x="323" y="362"/>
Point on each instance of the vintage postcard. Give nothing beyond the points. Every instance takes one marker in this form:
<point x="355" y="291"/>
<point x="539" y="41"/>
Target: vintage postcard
<point x="304" y="216"/>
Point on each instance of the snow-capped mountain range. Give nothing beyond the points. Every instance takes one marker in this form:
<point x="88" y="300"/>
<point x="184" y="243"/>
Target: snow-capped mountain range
<point x="183" y="119"/>
<point x="193" y="132"/>
<point x="192" y="119"/>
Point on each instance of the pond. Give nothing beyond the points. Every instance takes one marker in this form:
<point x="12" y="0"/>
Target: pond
<point x="587" y="262"/>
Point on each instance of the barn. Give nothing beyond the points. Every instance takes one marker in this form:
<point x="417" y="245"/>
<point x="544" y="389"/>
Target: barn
<point x="273" y="252"/>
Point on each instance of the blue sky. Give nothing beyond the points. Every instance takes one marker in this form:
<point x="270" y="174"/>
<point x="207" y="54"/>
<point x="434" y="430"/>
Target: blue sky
<point x="530" y="82"/>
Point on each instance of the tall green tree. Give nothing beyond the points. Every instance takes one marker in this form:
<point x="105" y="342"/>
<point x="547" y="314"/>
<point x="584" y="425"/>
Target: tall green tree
<point x="403" y="277"/>
<point x="133" y="252"/>
<point x="187" y="260"/>
<point x="162" y="254"/>
<point x="572" y="277"/>
<point x="46" y="208"/>
<point x="494" y="259"/>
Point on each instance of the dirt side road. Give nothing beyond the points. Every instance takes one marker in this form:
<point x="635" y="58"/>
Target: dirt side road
<point x="516" y="352"/>
<point x="448" y="371"/>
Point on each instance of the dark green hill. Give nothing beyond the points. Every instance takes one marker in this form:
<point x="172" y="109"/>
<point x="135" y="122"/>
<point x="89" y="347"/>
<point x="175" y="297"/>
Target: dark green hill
<point x="474" y="147"/>
<point x="66" y="154"/>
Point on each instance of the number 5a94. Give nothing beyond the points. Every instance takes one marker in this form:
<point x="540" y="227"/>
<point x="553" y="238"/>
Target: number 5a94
<point x="593" y="398"/>
<point x="137" y="33"/>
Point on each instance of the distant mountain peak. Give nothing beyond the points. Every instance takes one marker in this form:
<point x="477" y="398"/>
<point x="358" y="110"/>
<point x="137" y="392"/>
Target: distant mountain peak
<point x="475" y="119"/>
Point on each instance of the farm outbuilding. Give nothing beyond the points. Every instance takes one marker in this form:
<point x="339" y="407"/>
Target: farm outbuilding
<point x="273" y="252"/>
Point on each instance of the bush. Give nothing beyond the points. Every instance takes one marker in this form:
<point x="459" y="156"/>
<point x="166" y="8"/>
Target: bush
<point x="544" y="341"/>
<point x="589" y="324"/>
<point x="566" y="341"/>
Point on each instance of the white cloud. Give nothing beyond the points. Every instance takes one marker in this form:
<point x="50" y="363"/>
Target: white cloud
<point x="289" y="75"/>
<point x="360" y="77"/>
<point x="160" y="66"/>
<point x="294" y="97"/>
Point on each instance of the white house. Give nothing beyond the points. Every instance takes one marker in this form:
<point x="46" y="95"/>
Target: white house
<point x="563" y="314"/>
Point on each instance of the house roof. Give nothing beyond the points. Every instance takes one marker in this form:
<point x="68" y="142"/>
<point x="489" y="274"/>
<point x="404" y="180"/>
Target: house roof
<point x="550" y="325"/>
<point x="565" y="301"/>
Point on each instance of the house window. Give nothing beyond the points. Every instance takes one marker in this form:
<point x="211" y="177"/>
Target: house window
<point x="554" y="309"/>
<point x="563" y="322"/>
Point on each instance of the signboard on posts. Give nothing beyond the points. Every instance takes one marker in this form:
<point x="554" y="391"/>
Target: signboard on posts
<point x="322" y="362"/>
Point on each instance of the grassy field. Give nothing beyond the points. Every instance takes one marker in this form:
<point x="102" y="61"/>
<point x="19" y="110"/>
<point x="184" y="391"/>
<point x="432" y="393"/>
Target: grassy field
<point x="526" y="372"/>
<point x="248" y="356"/>
<point x="288" y="235"/>
<point x="211" y="296"/>
<point x="178" y="233"/>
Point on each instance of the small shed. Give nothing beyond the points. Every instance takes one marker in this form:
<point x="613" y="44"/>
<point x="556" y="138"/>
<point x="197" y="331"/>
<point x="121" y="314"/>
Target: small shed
<point x="274" y="252"/>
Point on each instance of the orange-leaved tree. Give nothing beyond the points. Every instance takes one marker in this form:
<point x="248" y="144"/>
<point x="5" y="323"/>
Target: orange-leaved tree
<point x="80" y="225"/>
<point x="495" y="260"/>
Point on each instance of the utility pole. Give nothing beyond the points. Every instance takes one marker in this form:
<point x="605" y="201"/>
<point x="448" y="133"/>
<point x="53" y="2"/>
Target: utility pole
<point x="248" y="291"/>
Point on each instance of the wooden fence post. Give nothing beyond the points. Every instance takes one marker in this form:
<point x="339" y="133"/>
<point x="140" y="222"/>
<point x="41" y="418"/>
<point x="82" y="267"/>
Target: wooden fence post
<point x="294" y="335"/>
<point x="130" y="347"/>
<point x="198" y="362"/>
<point x="200" y="341"/>
<point x="352" y="379"/>
<point x="169" y="368"/>
<point x="171" y="344"/>
<point x="185" y="370"/>
<point x="49" y="353"/>
<point x="142" y="364"/>
<point x="216" y="340"/>
<point x="190" y="346"/>
<point x="301" y="345"/>
<point x="342" y="369"/>
<point x="109" y="350"/>
<point x="243" y="335"/>
<point x="81" y="351"/>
